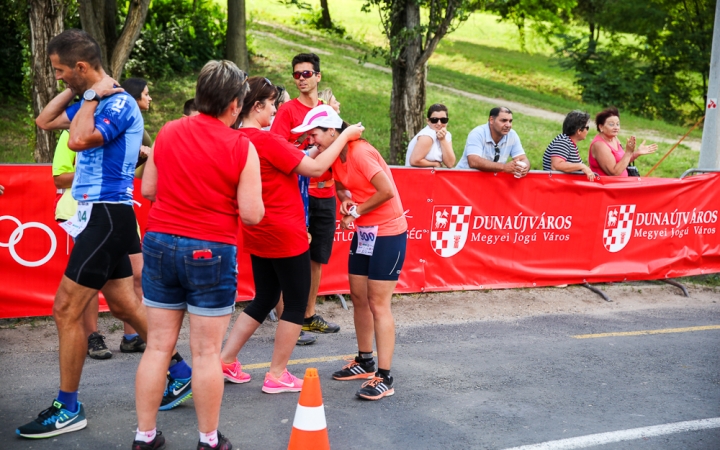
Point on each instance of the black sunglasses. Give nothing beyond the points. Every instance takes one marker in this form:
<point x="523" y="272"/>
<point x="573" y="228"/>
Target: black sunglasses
<point x="440" y="119"/>
<point x="267" y="82"/>
<point x="304" y="74"/>
<point x="497" y="154"/>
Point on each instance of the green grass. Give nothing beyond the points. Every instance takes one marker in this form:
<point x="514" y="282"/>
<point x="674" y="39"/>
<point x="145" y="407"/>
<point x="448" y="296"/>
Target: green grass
<point x="15" y="131"/>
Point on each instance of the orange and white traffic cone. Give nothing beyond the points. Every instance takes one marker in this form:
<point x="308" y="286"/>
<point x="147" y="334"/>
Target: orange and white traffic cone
<point x="309" y="430"/>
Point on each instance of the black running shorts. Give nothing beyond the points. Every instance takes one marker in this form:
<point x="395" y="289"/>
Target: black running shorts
<point x="322" y="228"/>
<point x="101" y="249"/>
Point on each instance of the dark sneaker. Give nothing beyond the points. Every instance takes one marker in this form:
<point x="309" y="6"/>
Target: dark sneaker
<point x="134" y="345"/>
<point x="177" y="391"/>
<point x="97" y="348"/>
<point x="356" y="370"/>
<point x="223" y="444"/>
<point x="376" y="388"/>
<point x="54" y="421"/>
<point x="319" y="325"/>
<point x="157" y="444"/>
<point x="306" y="339"/>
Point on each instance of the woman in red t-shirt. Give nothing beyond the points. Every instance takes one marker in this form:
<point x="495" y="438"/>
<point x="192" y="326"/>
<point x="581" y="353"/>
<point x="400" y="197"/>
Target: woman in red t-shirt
<point x="377" y="251"/>
<point x="278" y="245"/>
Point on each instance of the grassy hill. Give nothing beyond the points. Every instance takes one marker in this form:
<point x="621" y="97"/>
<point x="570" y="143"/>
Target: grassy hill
<point x="481" y="57"/>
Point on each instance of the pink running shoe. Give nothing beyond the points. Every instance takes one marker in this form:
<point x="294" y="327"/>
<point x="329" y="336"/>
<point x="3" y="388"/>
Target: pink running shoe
<point x="234" y="374"/>
<point x="286" y="383"/>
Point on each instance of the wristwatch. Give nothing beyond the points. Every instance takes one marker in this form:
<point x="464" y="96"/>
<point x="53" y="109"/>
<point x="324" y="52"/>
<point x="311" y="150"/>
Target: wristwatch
<point x="353" y="212"/>
<point x="91" y="96"/>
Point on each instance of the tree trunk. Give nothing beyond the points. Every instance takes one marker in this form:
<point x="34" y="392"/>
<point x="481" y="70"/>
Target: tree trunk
<point x="326" y="21"/>
<point x="236" y="50"/>
<point x="133" y="25"/>
<point x="46" y="22"/>
<point x="407" y="101"/>
<point x="92" y="18"/>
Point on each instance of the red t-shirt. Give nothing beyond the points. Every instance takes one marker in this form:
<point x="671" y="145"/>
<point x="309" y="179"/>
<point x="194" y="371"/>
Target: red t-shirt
<point x="199" y="161"/>
<point x="290" y="115"/>
<point x="282" y="232"/>
<point x="362" y="163"/>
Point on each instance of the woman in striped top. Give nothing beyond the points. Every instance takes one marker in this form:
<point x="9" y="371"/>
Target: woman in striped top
<point x="562" y="153"/>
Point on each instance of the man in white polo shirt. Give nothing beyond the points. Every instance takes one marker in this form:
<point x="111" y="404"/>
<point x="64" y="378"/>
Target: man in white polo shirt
<point x="489" y="146"/>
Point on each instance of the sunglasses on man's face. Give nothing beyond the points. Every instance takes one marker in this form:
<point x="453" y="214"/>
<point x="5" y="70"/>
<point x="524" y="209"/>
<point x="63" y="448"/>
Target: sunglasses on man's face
<point x="304" y="74"/>
<point x="441" y="119"/>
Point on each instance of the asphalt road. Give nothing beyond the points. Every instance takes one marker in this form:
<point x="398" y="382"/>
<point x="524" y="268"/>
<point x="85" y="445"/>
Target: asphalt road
<point x="492" y="385"/>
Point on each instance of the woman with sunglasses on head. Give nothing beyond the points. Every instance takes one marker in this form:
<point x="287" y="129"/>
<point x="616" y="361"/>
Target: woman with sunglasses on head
<point x="278" y="245"/>
<point x="562" y="153"/>
<point x="607" y="155"/>
<point x="432" y="146"/>
<point x="377" y="252"/>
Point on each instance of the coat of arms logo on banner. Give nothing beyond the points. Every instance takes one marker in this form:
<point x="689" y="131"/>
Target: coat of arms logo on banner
<point x="450" y="226"/>
<point x="618" y="227"/>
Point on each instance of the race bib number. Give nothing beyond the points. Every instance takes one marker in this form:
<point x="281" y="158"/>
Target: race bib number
<point x="366" y="240"/>
<point x="74" y="225"/>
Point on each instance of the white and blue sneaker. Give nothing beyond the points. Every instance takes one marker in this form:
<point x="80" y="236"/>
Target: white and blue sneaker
<point x="177" y="391"/>
<point x="54" y="421"/>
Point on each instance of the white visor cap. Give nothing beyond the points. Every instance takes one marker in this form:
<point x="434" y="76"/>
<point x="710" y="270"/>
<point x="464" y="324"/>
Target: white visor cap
<point x="320" y="116"/>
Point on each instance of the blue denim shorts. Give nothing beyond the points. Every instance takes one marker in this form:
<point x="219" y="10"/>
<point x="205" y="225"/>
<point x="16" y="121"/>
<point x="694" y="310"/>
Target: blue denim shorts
<point x="179" y="274"/>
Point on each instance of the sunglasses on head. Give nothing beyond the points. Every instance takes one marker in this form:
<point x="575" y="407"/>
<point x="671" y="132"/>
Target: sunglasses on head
<point x="304" y="74"/>
<point x="267" y="82"/>
<point x="440" y="119"/>
<point x="497" y="154"/>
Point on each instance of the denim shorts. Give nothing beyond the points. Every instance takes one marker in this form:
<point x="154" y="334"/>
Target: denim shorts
<point x="173" y="278"/>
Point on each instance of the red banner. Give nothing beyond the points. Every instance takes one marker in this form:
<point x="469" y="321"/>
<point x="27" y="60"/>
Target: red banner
<point x="467" y="230"/>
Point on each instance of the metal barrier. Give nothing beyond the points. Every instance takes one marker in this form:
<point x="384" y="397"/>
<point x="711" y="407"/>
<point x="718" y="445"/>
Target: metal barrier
<point x="691" y="171"/>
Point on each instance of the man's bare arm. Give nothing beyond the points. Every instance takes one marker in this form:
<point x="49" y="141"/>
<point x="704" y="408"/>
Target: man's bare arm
<point x="53" y="116"/>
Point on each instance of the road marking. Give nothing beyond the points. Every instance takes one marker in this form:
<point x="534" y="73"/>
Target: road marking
<point x="293" y="362"/>
<point x="644" y="332"/>
<point x="592" y="440"/>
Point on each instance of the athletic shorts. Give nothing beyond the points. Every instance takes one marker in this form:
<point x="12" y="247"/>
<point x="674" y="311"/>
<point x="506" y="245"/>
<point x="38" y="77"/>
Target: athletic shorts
<point x="386" y="261"/>
<point x="182" y="273"/>
<point x="135" y="246"/>
<point x="101" y="249"/>
<point x="322" y="228"/>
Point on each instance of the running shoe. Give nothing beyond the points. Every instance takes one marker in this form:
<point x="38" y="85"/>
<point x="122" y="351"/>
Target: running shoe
<point x="286" y="383"/>
<point x="223" y="444"/>
<point x="177" y="391"/>
<point x="356" y="370"/>
<point x="97" y="348"/>
<point x="317" y="324"/>
<point x="306" y="339"/>
<point x="54" y="421"/>
<point x="376" y="388"/>
<point x="156" y="444"/>
<point x="134" y="345"/>
<point x="234" y="374"/>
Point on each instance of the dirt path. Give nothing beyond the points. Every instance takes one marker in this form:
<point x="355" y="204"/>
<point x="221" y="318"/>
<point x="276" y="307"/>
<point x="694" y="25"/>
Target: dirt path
<point x="521" y="108"/>
<point x="34" y="335"/>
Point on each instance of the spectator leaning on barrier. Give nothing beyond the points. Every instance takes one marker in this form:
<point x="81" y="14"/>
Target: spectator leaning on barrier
<point x="562" y="153"/>
<point x="489" y="146"/>
<point x="606" y="153"/>
<point x="190" y="247"/>
<point x="432" y="146"/>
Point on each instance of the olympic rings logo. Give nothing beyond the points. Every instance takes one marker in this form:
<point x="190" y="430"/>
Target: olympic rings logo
<point x="17" y="234"/>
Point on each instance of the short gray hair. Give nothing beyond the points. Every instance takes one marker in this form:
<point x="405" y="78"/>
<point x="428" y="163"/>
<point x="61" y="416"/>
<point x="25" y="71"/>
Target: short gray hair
<point x="574" y="121"/>
<point x="219" y="83"/>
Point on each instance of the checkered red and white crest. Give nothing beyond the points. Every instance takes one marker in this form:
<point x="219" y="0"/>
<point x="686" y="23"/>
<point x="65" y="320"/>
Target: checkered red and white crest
<point x="450" y="226"/>
<point x="618" y="227"/>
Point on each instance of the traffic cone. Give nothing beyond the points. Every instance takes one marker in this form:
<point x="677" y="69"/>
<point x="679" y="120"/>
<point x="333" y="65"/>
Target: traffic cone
<point x="309" y="430"/>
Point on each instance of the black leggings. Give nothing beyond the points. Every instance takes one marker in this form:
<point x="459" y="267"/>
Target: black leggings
<point x="291" y="276"/>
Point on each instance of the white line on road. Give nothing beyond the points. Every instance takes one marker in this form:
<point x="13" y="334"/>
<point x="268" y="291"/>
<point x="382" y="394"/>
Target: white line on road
<point x="623" y="435"/>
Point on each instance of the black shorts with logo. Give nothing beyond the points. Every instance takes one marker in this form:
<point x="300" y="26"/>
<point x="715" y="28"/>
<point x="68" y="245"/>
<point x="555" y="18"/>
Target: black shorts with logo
<point x="101" y="249"/>
<point x="322" y="228"/>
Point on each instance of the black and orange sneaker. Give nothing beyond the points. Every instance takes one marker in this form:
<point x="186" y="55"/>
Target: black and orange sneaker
<point x="317" y="324"/>
<point x="376" y="388"/>
<point x="356" y="370"/>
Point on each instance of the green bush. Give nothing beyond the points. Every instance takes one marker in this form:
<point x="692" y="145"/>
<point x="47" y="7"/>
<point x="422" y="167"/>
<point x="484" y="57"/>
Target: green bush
<point x="177" y="39"/>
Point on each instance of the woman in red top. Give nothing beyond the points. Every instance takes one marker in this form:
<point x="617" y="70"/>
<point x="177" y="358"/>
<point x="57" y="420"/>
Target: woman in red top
<point x="606" y="153"/>
<point x="199" y="175"/>
<point x="377" y="251"/>
<point x="278" y="245"/>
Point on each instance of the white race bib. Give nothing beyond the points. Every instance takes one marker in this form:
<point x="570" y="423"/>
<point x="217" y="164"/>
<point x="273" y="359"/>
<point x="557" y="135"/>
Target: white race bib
<point x="366" y="240"/>
<point x="74" y="225"/>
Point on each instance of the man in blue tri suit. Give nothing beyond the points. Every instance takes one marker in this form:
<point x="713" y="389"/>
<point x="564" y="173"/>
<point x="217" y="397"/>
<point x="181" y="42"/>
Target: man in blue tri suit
<point x="106" y="130"/>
